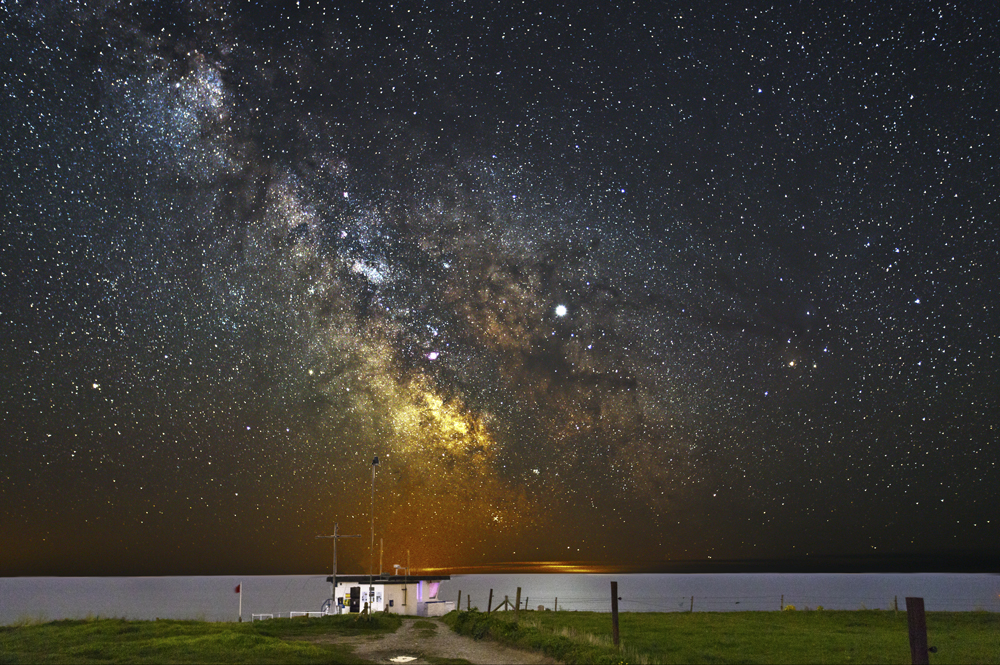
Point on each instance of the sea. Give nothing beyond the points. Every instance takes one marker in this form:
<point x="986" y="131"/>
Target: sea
<point x="215" y="598"/>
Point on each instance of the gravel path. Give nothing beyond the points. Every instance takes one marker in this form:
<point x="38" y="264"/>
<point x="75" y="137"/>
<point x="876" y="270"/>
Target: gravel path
<point x="416" y="638"/>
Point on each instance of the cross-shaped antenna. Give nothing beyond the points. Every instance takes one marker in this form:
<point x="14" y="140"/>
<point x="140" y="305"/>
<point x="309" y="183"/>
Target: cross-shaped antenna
<point x="333" y="578"/>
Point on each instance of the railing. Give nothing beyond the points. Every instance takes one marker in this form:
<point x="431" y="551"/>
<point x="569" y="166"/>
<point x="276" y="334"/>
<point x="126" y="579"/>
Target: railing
<point x="286" y="615"/>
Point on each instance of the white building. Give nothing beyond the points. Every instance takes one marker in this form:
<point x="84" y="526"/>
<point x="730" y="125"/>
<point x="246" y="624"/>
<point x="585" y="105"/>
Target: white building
<point x="399" y="594"/>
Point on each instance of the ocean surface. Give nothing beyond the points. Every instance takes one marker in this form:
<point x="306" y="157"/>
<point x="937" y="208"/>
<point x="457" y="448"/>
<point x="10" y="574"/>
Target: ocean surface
<point x="214" y="598"/>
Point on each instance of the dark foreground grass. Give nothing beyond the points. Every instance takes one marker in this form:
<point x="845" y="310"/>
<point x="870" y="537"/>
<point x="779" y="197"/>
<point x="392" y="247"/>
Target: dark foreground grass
<point x="165" y="641"/>
<point x="867" y="636"/>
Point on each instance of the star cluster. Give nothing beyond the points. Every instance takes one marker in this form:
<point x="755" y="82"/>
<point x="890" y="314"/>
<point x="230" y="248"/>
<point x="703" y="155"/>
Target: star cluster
<point x="609" y="283"/>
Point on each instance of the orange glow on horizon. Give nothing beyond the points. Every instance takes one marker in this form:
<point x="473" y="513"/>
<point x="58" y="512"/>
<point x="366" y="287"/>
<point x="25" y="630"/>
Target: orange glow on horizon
<point x="579" y="567"/>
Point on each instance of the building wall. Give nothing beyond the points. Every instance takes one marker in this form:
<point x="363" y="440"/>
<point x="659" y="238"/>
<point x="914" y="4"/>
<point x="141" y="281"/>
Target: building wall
<point x="402" y="602"/>
<point x="412" y="601"/>
<point x="344" y="588"/>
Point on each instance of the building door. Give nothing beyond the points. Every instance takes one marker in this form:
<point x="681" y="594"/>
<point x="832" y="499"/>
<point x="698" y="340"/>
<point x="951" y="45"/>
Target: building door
<point x="355" y="599"/>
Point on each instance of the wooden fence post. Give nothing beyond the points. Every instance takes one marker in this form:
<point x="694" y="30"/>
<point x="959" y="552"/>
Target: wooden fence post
<point x="506" y="603"/>
<point x="782" y="602"/>
<point x="468" y="602"/>
<point x="917" y="624"/>
<point x="555" y="606"/>
<point x="459" y="606"/>
<point x="517" y="607"/>
<point x="692" y="604"/>
<point x="489" y="603"/>
<point x="614" y="613"/>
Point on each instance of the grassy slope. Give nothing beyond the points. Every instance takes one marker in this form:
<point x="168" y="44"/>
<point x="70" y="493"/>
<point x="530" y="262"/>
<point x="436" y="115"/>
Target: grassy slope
<point x="742" y="637"/>
<point x="121" y="641"/>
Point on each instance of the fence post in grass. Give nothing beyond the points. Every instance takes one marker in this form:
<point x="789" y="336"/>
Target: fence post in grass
<point x="917" y="623"/>
<point x="895" y="604"/>
<point x="692" y="604"/>
<point x="526" y="605"/>
<point x="517" y="606"/>
<point x="614" y="613"/>
<point x="468" y="602"/>
<point x="555" y="606"/>
<point x="459" y="606"/>
<point x="489" y="603"/>
<point x="782" y="602"/>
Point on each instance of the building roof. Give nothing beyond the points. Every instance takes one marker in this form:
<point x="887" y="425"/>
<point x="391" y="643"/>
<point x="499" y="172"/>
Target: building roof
<point x="390" y="579"/>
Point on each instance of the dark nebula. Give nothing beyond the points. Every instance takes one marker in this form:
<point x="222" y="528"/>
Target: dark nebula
<point x="597" y="283"/>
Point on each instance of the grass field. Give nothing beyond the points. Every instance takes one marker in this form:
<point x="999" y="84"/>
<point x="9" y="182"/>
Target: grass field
<point x="164" y="641"/>
<point x="866" y="636"/>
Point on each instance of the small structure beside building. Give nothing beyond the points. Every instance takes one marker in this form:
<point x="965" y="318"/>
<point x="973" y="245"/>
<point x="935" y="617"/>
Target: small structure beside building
<point x="415" y="595"/>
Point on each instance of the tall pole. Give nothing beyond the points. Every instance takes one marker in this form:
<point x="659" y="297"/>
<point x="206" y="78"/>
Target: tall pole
<point x="371" y="549"/>
<point x="614" y="613"/>
<point x="333" y="577"/>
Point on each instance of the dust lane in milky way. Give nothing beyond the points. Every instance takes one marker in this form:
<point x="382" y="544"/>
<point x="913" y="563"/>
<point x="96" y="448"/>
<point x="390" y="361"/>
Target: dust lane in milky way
<point x="600" y="286"/>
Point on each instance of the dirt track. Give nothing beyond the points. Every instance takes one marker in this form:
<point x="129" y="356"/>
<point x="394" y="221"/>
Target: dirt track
<point x="416" y="639"/>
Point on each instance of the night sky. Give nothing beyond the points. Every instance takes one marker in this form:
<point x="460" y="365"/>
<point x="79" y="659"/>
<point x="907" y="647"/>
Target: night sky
<point x="619" y="284"/>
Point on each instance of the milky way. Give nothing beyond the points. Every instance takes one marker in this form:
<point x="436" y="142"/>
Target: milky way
<point x="596" y="284"/>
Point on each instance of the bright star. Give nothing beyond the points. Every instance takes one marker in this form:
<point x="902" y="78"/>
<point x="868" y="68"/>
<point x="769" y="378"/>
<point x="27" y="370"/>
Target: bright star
<point x="561" y="310"/>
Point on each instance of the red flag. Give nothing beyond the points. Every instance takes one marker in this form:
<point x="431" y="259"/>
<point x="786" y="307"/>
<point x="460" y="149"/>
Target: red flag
<point x="237" y="588"/>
